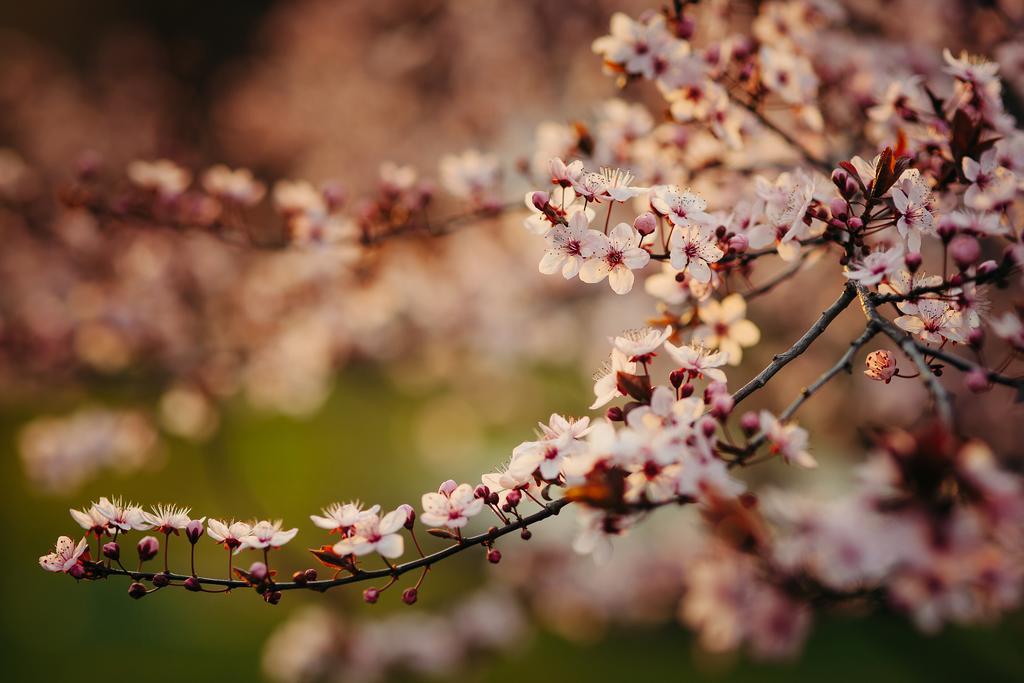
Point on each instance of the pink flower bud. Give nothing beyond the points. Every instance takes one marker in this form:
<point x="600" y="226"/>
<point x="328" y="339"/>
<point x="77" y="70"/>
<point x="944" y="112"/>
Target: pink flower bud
<point x="371" y="595"/>
<point x="273" y="597"/>
<point x="494" y="556"/>
<point x="839" y="208"/>
<point x="645" y="223"/>
<point x="686" y="391"/>
<point x="447" y="487"/>
<point x="854" y="223"/>
<point x="739" y="243"/>
<point x="676" y="378"/>
<point x="965" y="250"/>
<point x="976" y="337"/>
<point x="881" y="365"/>
<point x="162" y="579"/>
<point x="525" y="534"/>
<point x="410" y="515"/>
<point x="482" y="491"/>
<point x="310" y="574"/>
<point x="913" y="261"/>
<point x="721" y="406"/>
<point x="514" y="497"/>
<point x="192" y="584"/>
<point x="136" y="590"/>
<point x="614" y="414"/>
<point x="986" y="267"/>
<point x="148" y="547"/>
<point x="258" y="571"/>
<point x="540" y="200"/>
<point x="409" y="596"/>
<point x="749" y="422"/>
<point x="708" y="427"/>
<point x="112" y="550"/>
<point x="977" y="381"/>
<point x="76" y="571"/>
<point x="194" y="530"/>
<point x="299" y="577"/>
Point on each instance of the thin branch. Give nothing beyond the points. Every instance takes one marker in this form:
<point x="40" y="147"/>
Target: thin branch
<point x="801" y="344"/>
<point x="778" y="279"/>
<point x="961" y="363"/>
<point x="910" y="348"/>
<point x="807" y="154"/>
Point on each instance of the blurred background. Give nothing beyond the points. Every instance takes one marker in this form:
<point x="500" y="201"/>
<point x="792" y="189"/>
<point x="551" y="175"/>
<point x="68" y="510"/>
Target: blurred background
<point x="433" y="365"/>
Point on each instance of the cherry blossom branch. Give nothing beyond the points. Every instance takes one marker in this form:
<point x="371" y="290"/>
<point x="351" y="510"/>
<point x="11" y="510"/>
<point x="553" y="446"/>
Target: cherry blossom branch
<point x="1001" y="271"/>
<point x="848" y="294"/>
<point x="785" y="275"/>
<point x="965" y="365"/>
<point x="808" y="156"/>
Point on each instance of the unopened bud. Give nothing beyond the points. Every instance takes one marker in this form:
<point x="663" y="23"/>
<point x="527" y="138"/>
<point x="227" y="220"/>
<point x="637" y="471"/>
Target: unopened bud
<point x="749" y="422"/>
<point x="677" y="377"/>
<point x="965" y="250"/>
<point x="410" y="515"/>
<point x="854" y="223"/>
<point x="76" y="571"/>
<point x="739" y="243"/>
<point x="194" y="531"/>
<point x="447" y="487"/>
<point x="494" y="556"/>
<point x="839" y="208"/>
<point x="148" y="547"/>
<point x="258" y="571"/>
<point x="273" y="597"/>
<point x="977" y="381"/>
<point x="614" y="414"/>
<point x="645" y="223"/>
<point x="310" y="574"/>
<point x="721" y="406"/>
<point x="976" y="337"/>
<point x="162" y="579"/>
<point x="192" y="584"/>
<point x="514" y="497"/>
<point x="409" y="596"/>
<point x="482" y="491"/>
<point x="136" y="590"/>
<point x="525" y="534"/>
<point x="540" y="200"/>
<point x="112" y="550"/>
<point x="371" y="595"/>
<point x="299" y="577"/>
<point x="708" y="427"/>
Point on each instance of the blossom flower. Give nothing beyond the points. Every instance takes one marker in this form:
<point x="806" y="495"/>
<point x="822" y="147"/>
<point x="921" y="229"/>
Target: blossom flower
<point x="618" y="186"/>
<point x="238" y="185"/>
<point x="786" y="203"/>
<point x="911" y="200"/>
<point x="298" y="196"/>
<point x="375" y="534"/>
<point x="788" y="75"/>
<point x="634" y="46"/>
<point x="562" y="204"/>
<point x="876" y="266"/>
<point x="606" y="381"/>
<point x="229" y="534"/>
<point x="616" y="257"/>
<point x="451" y="506"/>
<point x="979" y="223"/>
<point x="934" y="320"/>
<point x="901" y="283"/>
<point x="787" y="440"/>
<point x="592" y="187"/>
<point x="693" y="249"/>
<point x="91" y="519"/>
<point x="471" y="176"/>
<point x="1009" y="327"/>
<point x="121" y="515"/>
<point x="265" y="534"/>
<point x="569" y="245"/>
<point x="881" y="365"/>
<point x="640" y="345"/>
<point x="65" y="556"/>
<point x="167" y="518"/>
<point x="725" y="327"/>
<point x="162" y="176"/>
<point x="558" y="425"/>
<point x="563" y="174"/>
<point x="341" y="517"/>
<point x="545" y="456"/>
<point x="680" y="206"/>
<point x="698" y="362"/>
<point x="991" y="186"/>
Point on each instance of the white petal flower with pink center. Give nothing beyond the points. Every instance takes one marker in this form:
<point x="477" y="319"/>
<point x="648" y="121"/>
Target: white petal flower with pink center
<point x="167" y="518"/>
<point x="786" y="440"/>
<point x="641" y="345"/>
<point x="450" y="507"/>
<point x="545" y="456"/>
<point x="592" y="187"/>
<point x="693" y="249"/>
<point x="558" y="425"/>
<point x="121" y="515"/>
<point x="992" y="186"/>
<point x="726" y="328"/>
<point x="1009" y="327"/>
<point x="564" y="174"/>
<point x="228" y="534"/>
<point x="374" y="534"/>
<point x="933" y="321"/>
<point x="91" y="519"/>
<point x="569" y="246"/>
<point x="340" y="517"/>
<point x="64" y="556"/>
<point x="616" y="257"/>
<point x="265" y="534"/>
<point x="606" y="381"/>
<point x="698" y="362"/>
<point x="619" y="186"/>
<point x="911" y="200"/>
<point x="682" y="207"/>
<point x="876" y="266"/>
<point x="902" y="282"/>
<point x="638" y="47"/>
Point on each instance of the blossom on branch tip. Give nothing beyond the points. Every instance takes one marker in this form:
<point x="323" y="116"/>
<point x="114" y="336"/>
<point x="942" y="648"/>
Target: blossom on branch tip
<point x="698" y="361"/>
<point x="641" y="345"/>
<point x="692" y="249"/>
<point x="682" y="207"/>
<point x="881" y="365"/>
<point x="228" y="534"/>
<point x="787" y="440"/>
<point x="167" y="518"/>
<point x="66" y="555"/>
<point x="121" y="515"/>
<point x="876" y="266"/>
<point x="605" y="379"/>
<point x="340" y="517"/>
<point x="375" y="534"/>
<point x="569" y="246"/>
